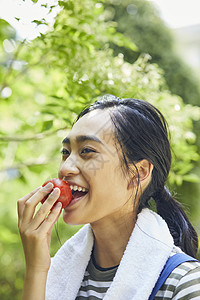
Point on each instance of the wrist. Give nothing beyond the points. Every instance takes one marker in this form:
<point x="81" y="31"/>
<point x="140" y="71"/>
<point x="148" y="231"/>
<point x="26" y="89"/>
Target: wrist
<point x="37" y="268"/>
<point x="34" y="284"/>
<point x="31" y="271"/>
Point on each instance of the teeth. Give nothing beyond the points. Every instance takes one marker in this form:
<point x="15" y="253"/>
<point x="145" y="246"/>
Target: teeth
<point x="75" y="188"/>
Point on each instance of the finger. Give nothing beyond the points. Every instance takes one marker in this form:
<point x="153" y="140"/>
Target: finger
<point x="53" y="216"/>
<point x="31" y="203"/>
<point x="21" y="202"/>
<point x="41" y="214"/>
<point x="51" y="227"/>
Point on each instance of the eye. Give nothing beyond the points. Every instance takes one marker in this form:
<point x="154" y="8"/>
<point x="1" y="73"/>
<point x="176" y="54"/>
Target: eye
<point x="64" y="152"/>
<point x="87" y="150"/>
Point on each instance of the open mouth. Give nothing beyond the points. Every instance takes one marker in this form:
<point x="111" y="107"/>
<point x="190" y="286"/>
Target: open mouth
<point x="78" y="194"/>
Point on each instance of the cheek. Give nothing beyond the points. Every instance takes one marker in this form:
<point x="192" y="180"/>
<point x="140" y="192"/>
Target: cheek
<point x="109" y="177"/>
<point x="109" y="188"/>
<point x="60" y="170"/>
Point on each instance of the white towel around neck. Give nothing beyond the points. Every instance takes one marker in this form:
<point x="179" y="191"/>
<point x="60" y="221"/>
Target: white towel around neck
<point x="147" y="251"/>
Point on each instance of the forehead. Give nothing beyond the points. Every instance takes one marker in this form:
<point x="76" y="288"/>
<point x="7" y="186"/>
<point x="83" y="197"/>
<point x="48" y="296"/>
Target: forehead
<point x="97" y="123"/>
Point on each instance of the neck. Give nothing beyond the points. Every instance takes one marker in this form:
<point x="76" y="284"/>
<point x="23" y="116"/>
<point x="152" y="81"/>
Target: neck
<point x="111" y="238"/>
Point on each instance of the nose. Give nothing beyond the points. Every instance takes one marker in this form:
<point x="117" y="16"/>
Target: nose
<point x="68" y="167"/>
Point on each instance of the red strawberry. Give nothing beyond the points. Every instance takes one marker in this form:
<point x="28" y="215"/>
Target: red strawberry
<point x="65" y="191"/>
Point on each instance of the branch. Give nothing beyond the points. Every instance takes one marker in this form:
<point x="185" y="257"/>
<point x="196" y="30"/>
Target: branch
<point x="10" y="68"/>
<point x="23" y="71"/>
<point x="28" y="164"/>
<point x="29" y="66"/>
<point x="38" y="136"/>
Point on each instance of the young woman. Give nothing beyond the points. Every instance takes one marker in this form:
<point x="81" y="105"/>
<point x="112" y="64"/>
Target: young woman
<point x="118" y="150"/>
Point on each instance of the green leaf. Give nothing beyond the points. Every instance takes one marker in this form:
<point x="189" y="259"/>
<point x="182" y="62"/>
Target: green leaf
<point x="36" y="168"/>
<point x="191" y="178"/>
<point x="53" y="104"/>
<point x="47" y="125"/>
<point x="121" y="41"/>
<point x="38" y="22"/>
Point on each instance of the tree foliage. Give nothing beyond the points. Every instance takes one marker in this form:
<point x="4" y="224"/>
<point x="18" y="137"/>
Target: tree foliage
<point x="140" y="21"/>
<point x="45" y="83"/>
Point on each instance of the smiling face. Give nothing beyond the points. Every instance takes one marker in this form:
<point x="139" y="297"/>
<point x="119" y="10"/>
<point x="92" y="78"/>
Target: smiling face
<point x="94" y="164"/>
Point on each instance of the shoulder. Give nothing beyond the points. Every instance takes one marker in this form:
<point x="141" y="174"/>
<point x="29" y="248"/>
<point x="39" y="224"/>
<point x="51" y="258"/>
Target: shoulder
<point x="182" y="283"/>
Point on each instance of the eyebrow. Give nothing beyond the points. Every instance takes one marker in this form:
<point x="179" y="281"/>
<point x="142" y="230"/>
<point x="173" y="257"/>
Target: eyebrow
<point x="83" y="138"/>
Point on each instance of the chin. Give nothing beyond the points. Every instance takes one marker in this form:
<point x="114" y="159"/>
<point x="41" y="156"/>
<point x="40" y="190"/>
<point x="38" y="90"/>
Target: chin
<point x="71" y="219"/>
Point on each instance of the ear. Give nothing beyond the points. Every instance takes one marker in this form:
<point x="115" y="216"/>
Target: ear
<point x="142" y="173"/>
<point x="145" y="169"/>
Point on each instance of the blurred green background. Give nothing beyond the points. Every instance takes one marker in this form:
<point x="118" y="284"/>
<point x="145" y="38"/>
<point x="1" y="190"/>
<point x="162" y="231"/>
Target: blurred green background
<point x="93" y="48"/>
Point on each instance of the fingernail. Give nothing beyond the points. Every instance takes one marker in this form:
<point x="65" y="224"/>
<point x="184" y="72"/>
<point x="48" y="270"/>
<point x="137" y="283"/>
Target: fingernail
<point x="56" y="191"/>
<point x="48" y="186"/>
<point x="58" y="205"/>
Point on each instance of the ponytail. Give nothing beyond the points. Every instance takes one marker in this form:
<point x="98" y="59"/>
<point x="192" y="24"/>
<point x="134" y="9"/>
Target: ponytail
<point x="181" y="229"/>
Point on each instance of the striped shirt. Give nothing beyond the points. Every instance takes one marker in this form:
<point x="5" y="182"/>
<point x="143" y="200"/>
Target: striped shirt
<point x="182" y="284"/>
<point x="96" y="281"/>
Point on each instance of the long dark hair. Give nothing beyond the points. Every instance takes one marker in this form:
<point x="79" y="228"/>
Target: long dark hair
<point x="141" y="131"/>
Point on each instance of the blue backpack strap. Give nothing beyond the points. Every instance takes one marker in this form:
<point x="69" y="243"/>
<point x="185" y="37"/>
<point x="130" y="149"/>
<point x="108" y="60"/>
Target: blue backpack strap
<point x="173" y="262"/>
